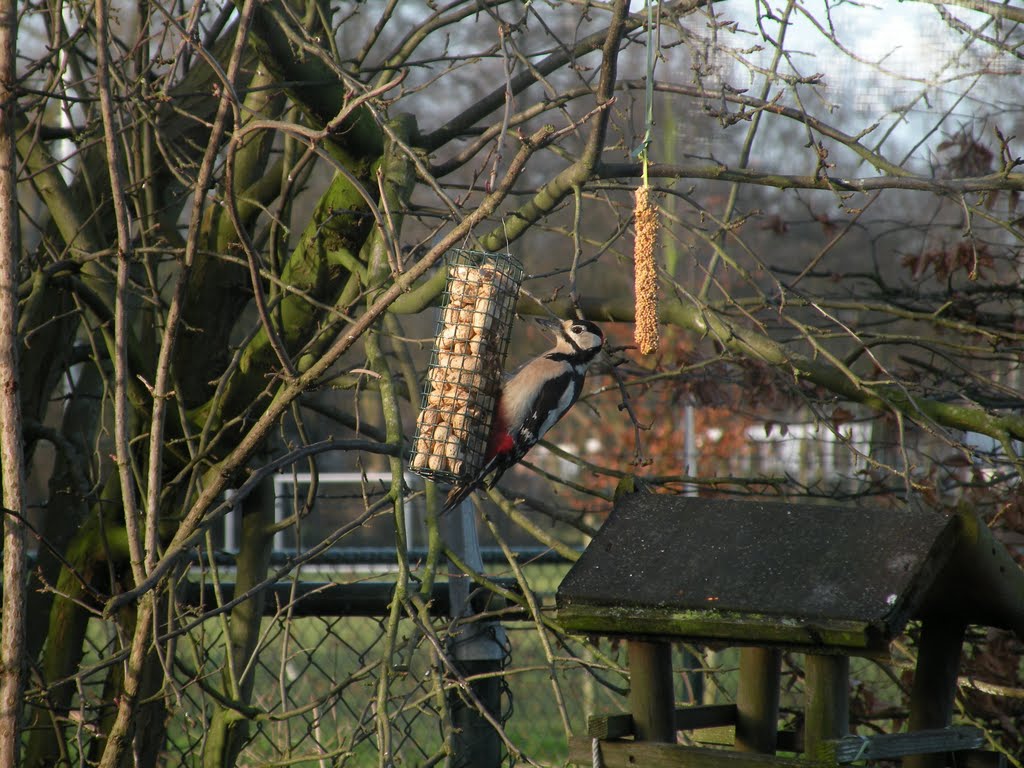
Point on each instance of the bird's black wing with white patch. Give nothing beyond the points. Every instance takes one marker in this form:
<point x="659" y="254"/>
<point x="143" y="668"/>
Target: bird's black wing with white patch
<point x="551" y="404"/>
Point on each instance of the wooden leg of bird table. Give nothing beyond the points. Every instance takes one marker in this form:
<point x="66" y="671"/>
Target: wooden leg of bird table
<point x="757" y="701"/>
<point x="934" y="692"/>
<point x="826" y="700"/>
<point x="651" y="696"/>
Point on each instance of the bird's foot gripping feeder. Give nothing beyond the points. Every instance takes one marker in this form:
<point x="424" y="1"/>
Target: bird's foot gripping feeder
<point x="464" y="378"/>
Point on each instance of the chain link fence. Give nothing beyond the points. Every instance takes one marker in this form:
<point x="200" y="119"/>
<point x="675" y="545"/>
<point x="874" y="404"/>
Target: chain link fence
<point x="336" y="690"/>
<point x="319" y="700"/>
<point x="341" y="672"/>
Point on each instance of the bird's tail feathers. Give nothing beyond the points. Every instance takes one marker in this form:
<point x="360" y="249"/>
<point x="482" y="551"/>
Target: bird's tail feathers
<point x="456" y="496"/>
<point x="459" y="493"/>
<point x="493" y="480"/>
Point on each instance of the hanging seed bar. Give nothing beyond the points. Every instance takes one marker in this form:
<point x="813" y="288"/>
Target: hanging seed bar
<point x="464" y="377"/>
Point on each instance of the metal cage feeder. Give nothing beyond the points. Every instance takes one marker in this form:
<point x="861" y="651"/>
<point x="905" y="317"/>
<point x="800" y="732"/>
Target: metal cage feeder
<point x="464" y="377"/>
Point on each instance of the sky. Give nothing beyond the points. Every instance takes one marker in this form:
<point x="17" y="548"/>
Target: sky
<point x="887" y="56"/>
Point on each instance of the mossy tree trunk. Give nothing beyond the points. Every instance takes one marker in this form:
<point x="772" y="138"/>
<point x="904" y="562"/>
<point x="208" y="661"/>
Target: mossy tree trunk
<point x="229" y="725"/>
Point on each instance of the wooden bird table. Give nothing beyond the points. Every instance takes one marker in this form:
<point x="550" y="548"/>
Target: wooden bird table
<point x="828" y="581"/>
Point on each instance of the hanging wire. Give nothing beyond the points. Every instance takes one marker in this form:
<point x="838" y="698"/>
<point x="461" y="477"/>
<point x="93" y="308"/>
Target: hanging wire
<point x="648" y="95"/>
<point x="645" y="221"/>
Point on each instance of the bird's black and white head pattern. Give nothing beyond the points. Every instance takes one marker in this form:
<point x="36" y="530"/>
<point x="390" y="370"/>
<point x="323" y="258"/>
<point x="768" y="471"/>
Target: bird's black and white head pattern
<point x="577" y="341"/>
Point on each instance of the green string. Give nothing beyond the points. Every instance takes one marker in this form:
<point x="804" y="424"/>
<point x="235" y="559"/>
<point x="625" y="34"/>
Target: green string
<point x="648" y="94"/>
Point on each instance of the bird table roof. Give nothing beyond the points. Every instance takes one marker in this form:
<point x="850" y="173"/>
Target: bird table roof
<point x="800" y="575"/>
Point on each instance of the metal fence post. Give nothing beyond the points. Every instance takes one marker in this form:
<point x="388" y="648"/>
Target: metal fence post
<point x="478" y="648"/>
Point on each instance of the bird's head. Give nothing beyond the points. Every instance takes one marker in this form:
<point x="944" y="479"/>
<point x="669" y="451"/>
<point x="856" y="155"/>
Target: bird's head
<point x="580" y="337"/>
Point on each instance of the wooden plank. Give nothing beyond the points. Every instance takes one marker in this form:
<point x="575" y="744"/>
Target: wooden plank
<point x="619" y="725"/>
<point x="978" y="758"/>
<point x="649" y="754"/>
<point x="825" y="635"/>
<point x="851" y="749"/>
<point x="705" y="716"/>
<point x="723" y="736"/>
<point x="610" y="726"/>
<point x="789" y="741"/>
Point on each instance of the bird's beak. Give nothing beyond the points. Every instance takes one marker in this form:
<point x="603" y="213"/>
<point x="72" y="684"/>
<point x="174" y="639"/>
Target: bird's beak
<point x="548" y="325"/>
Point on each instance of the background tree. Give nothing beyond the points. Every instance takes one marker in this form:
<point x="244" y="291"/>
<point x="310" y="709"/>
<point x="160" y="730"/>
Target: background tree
<point x="232" y="220"/>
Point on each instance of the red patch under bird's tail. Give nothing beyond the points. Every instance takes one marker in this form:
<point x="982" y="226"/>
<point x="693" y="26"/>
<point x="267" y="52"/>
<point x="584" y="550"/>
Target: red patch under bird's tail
<point x="499" y="443"/>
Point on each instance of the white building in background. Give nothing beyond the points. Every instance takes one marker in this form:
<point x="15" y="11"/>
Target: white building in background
<point x="810" y="451"/>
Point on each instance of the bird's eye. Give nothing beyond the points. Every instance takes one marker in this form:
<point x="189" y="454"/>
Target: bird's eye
<point x="578" y="329"/>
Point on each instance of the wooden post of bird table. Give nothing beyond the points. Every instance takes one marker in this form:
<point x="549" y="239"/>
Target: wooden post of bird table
<point x="933" y="695"/>
<point x="651" y="695"/>
<point x="826" y="700"/>
<point x="757" y="701"/>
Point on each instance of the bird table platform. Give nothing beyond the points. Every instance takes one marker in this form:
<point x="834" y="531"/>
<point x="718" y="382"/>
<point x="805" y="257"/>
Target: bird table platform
<point x="828" y="581"/>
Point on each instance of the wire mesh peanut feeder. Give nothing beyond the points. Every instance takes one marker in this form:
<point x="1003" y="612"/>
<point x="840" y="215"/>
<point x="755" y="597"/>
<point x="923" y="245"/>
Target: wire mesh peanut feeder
<point x="464" y="377"/>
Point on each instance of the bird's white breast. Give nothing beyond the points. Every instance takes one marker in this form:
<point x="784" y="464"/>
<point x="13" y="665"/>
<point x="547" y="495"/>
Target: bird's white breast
<point x="523" y="390"/>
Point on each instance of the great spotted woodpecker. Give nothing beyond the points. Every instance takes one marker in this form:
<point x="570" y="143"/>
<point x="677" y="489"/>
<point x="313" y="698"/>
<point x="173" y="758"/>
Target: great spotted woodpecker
<point x="534" y="399"/>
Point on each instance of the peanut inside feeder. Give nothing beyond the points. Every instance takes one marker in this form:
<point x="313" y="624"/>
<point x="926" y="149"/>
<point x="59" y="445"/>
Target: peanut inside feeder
<point x="465" y="373"/>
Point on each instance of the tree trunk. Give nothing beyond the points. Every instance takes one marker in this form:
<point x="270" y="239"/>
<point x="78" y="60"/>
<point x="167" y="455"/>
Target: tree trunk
<point x="68" y="494"/>
<point x="229" y="731"/>
<point x="87" y="567"/>
<point x="12" y="640"/>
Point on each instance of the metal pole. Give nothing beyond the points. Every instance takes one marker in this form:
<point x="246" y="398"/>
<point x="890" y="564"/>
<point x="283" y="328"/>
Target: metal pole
<point x="695" y="680"/>
<point x="689" y="448"/>
<point x="477" y="648"/>
<point x="231" y="522"/>
<point x="280" y="510"/>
